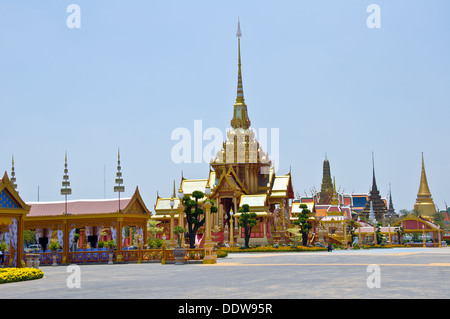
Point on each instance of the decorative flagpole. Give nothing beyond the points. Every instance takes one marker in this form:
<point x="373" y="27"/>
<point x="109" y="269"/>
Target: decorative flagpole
<point x="119" y="188"/>
<point x="66" y="190"/>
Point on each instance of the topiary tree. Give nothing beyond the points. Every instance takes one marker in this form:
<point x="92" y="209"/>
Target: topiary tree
<point x="302" y="221"/>
<point x="400" y="232"/>
<point x="247" y="220"/>
<point x="178" y="231"/>
<point x="378" y="234"/>
<point x="153" y="229"/>
<point x="195" y="215"/>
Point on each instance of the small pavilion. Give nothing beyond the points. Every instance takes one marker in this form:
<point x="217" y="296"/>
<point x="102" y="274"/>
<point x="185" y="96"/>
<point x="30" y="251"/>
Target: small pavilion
<point x="12" y="215"/>
<point x="90" y="216"/>
<point x="422" y="226"/>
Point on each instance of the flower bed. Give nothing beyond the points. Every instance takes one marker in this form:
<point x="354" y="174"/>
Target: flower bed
<point x="221" y="253"/>
<point x="19" y="274"/>
<point x="270" y="249"/>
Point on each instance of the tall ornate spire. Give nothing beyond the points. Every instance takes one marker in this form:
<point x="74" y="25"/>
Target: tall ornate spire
<point x="240" y="115"/>
<point x="334" y="197"/>
<point x="424" y="190"/>
<point x="119" y="180"/>
<point x="391" y="210"/>
<point x="66" y="190"/>
<point x="326" y="190"/>
<point x="424" y="202"/>
<point x="374" y="182"/>
<point x="13" y="175"/>
<point x="378" y="205"/>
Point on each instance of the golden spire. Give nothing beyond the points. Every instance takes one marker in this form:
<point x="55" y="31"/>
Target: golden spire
<point x="334" y="196"/>
<point x="424" y="191"/>
<point x="240" y="88"/>
<point x="424" y="202"/>
<point x="174" y="194"/>
<point x="240" y="116"/>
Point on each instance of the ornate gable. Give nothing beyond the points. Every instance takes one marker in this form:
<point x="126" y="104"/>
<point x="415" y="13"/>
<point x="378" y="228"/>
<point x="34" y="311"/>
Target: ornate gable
<point x="6" y="201"/>
<point x="9" y="198"/>
<point x="136" y="205"/>
<point x="228" y="184"/>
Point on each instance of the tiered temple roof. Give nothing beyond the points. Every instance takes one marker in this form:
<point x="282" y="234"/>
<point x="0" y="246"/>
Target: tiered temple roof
<point x="378" y="204"/>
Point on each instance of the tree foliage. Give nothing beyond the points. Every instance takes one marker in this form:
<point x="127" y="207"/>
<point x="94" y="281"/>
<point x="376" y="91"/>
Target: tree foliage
<point x="153" y="229"/>
<point x="247" y="220"/>
<point x="195" y="214"/>
<point x="302" y="221"/>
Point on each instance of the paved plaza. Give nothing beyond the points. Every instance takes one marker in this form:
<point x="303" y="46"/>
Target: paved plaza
<point x="402" y="273"/>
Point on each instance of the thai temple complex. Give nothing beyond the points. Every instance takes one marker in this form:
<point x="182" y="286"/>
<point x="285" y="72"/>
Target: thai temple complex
<point x="240" y="174"/>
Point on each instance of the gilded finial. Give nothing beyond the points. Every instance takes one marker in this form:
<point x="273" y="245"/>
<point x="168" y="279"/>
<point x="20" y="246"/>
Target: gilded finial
<point x="174" y="194"/>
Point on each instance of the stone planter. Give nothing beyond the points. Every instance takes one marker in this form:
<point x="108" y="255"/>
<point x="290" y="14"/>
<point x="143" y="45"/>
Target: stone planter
<point x="178" y="254"/>
<point x="36" y="260"/>
<point x="111" y="254"/>
<point x="30" y="258"/>
<point x="55" y="257"/>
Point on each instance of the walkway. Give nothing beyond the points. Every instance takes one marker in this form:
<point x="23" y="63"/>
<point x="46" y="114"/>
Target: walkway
<point x="404" y="273"/>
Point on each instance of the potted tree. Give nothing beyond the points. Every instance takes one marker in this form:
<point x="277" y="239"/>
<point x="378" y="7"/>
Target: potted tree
<point x="179" y="252"/>
<point x="54" y="246"/>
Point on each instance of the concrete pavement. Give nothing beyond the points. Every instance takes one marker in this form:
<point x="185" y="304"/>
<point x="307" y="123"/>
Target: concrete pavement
<point x="401" y="273"/>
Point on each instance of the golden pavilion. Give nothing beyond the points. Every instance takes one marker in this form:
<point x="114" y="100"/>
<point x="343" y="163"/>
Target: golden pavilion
<point x="241" y="173"/>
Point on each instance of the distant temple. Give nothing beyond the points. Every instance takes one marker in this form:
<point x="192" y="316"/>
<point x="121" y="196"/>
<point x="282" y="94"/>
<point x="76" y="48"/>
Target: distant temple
<point x="327" y="190"/>
<point x="391" y="211"/>
<point x="329" y="200"/>
<point x="378" y="204"/>
<point x="424" y="202"/>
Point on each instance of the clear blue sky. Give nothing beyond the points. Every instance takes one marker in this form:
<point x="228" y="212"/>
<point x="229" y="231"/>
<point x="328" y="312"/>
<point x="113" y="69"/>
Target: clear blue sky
<point x="137" y="70"/>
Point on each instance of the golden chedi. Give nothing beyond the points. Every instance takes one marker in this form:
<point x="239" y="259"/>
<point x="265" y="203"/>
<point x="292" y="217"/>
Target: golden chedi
<point x="424" y="202"/>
